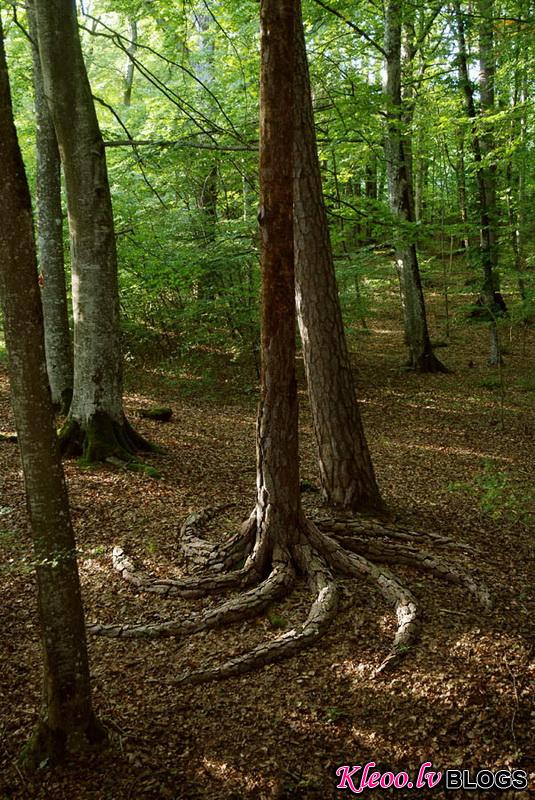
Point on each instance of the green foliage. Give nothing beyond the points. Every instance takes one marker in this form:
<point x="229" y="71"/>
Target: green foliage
<point x="275" y="620"/>
<point x="497" y="496"/>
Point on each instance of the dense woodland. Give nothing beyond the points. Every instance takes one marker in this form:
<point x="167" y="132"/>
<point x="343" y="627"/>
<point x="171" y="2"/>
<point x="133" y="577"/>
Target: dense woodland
<point x="267" y="279"/>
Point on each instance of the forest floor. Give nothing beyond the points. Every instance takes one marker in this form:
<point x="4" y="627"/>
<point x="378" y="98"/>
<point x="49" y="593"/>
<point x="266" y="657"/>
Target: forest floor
<point x="448" y="460"/>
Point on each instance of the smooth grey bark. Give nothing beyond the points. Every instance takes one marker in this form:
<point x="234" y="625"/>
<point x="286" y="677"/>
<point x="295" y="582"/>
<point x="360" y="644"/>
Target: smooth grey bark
<point x="346" y="470"/>
<point x="421" y="356"/>
<point x="96" y="425"/>
<point x="58" y="346"/>
<point x="67" y="723"/>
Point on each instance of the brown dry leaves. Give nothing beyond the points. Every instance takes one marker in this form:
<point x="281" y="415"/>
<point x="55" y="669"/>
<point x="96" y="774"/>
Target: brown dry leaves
<point x="463" y="697"/>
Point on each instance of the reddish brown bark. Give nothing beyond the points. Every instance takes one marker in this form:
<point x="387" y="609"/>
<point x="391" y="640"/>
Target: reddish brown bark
<point x="346" y="470"/>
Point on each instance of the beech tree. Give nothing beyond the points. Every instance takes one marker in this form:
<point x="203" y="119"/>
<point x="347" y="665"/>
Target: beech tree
<point x="421" y="356"/>
<point x="96" y="426"/>
<point x="482" y="146"/>
<point x="59" y="359"/>
<point x="278" y="543"/>
<point x="346" y="470"/>
<point x="67" y="723"/>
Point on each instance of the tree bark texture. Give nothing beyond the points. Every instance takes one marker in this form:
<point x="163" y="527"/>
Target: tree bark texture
<point x="421" y="356"/>
<point x="67" y="722"/>
<point x="278" y="499"/>
<point x="346" y="470"/>
<point x="96" y="408"/>
<point x="482" y="146"/>
<point x="58" y="346"/>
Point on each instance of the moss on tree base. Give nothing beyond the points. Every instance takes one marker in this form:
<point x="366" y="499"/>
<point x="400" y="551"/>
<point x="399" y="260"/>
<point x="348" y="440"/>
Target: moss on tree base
<point x="50" y="747"/>
<point x="102" y="438"/>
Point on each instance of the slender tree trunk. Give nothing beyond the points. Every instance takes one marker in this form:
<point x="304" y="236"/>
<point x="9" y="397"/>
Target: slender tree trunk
<point x="278" y="499"/>
<point x="67" y="722"/>
<point x="58" y="346"/>
<point x="421" y="356"/>
<point x="485" y="175"/>
<point x="210" y="282"/>
<point x="461" y="188"/>
<point x="129" y="68"/>
<point x="347" y="476"/>
<point x="96" y="425"/>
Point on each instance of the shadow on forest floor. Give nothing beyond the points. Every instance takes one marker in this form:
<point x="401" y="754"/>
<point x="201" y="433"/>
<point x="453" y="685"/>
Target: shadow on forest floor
<point x="462" y="697"/>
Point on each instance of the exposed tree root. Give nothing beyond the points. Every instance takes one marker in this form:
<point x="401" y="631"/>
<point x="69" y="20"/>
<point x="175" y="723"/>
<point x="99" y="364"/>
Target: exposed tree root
<point x="244" y="606"/>
<point x="217" y="557"/>
<point x="370" y="527"/>
<point x="186" y="587"/>
<point x="320" y="616"/>
<point x="317" y="552"/>
<point x="399" y="554"/>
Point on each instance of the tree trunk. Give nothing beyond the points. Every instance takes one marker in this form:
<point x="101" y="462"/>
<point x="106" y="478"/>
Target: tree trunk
<point x="96" y="426"/>
<point x="67" y="722"/>
<point x="347" y="476"/>
<point x="129" y="68"/>
<point x="278" y="498"/>
<point x="482" y="146"/>
<point x="421" y="356"/>
<point x="50" y="240"/>
<point x="210" y="280"/>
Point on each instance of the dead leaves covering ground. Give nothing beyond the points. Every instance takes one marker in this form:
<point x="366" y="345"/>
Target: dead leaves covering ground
<point x="463" y="697"/>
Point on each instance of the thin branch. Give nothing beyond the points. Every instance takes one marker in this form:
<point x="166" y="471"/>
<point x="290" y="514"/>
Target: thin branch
<point x="119" y="38"/>
<point x="354" y="27"/>
<point x="252" y="148"/>
<point x="136" y="154"/>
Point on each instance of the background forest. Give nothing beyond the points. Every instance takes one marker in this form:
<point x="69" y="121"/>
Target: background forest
<point x="423" y="122"/>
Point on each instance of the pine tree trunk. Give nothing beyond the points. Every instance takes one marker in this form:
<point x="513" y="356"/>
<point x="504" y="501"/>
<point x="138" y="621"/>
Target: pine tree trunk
<point x="421" y="356"/>
<point x="347" y="476"/>
<point x="278" y="499"/>
<point x="96" y="425"/>
<point x="58" y="346"/>
<point x="67" y="722"/>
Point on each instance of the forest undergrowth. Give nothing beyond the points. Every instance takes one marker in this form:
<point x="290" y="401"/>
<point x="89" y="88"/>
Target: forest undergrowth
<point x="453" y="454"/>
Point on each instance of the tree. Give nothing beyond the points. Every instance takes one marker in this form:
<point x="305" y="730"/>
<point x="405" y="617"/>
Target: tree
<point x="58" y="345"/>
<point x="346" y="470"/>
<point x="67" y="722"/>
<point x="277" y="543"/>
<point x="482" y="146"/>
<point x="96" y="426"/>
<point x="421" y="356"/>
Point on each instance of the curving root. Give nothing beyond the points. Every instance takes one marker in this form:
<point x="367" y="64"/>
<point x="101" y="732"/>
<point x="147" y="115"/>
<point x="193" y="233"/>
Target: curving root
<point x="265" y="572"/>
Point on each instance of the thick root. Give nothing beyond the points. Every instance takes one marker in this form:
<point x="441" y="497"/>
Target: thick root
<point x="244" y="606"/>
<point x="186" y="587"/>
<point x="372" y="528"/>
<point x="205" y="554"/>
<point x="402" y="554"/>
<point x="321" y="615"/>
<point x="102" y="438"/>
<point x="390" y="587"/>
<point x="346" y="547"/>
